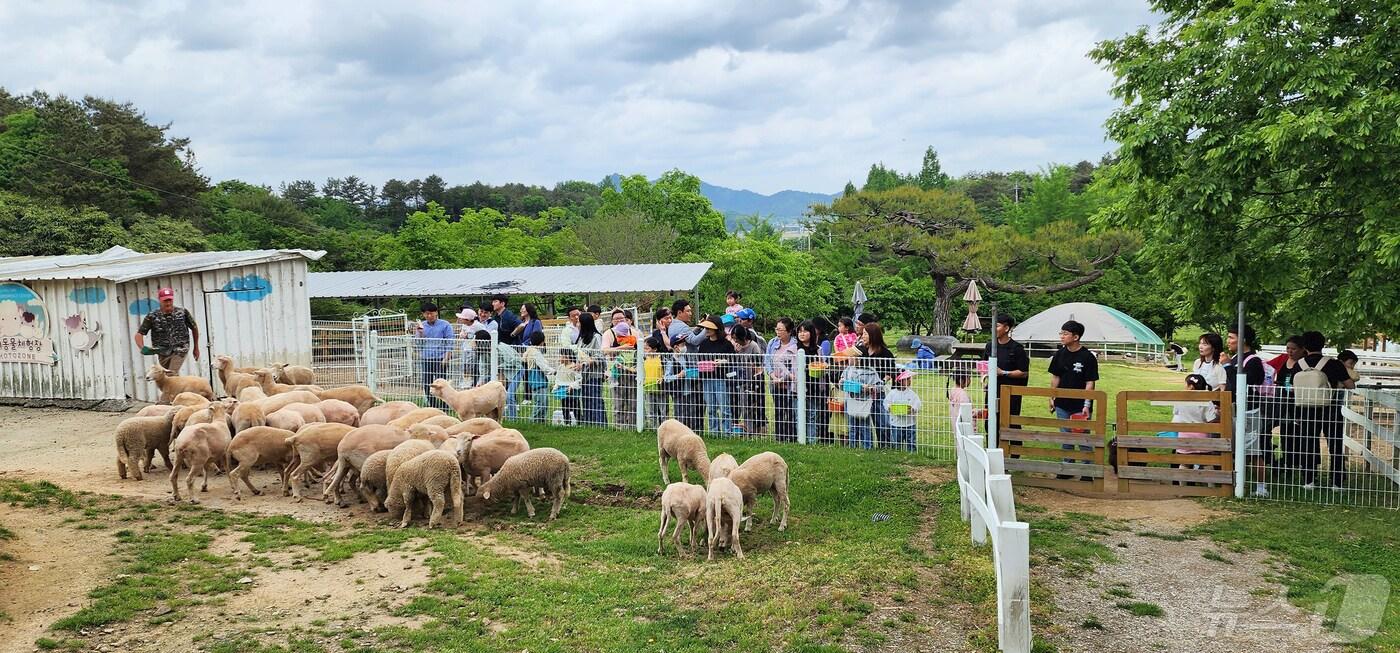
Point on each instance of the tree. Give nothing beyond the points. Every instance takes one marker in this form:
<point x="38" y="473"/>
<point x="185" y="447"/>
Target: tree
<point x="1260" y="155"/>
<point x="627" y="237"/>
<point x="931" y="174"/>
<point x="31" y="227"/>
<point x="674" y="199"/>
<point x="1051" y="197"/>
<point x="301" y="192"/>
<point x="849" y="190"/>
<point x="777" y="279"/>
<point x="433" y="189"/>
<point x="757" y="226"/>
<point x="882" y="178"/>
<point x="942" y="233"/>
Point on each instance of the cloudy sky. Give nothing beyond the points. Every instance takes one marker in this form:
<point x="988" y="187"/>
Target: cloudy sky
<point x="764" y="96"/>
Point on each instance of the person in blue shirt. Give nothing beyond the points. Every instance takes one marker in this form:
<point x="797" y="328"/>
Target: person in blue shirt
<point x="436" y="341"/>
<point x="506" y="321"/>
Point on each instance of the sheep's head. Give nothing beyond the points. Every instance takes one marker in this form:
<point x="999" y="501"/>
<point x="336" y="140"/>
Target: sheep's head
<point x="439" y="386"/>
<point x="155" y="372"/>
<point x="218" y="410"/>
<point x="263" y="375"/>
<point x="279" y="371"/>
<point x="222" y="362"/>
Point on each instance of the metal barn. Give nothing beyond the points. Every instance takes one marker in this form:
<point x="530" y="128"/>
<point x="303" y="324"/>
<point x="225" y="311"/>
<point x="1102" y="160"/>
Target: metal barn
<point x="67" y="322"/>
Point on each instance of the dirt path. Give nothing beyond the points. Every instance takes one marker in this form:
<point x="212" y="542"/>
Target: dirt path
<point x="53" y="570"/>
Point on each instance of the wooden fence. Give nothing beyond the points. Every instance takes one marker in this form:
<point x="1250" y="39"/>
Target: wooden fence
<point x="1072" y="457"/>
<point x="1152" y="464"/>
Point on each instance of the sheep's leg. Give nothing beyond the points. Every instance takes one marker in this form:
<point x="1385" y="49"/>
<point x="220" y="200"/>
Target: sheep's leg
<point x="407" y="508"/>
<point x="665" y="472"/>
<point x="164" y="451"/>
<point x="121" y="465"/>
<point x="204" y="474"/>
<point x="282" y="477"/>
<point x="514" y="503"/>
<point x="175" y="479"/>
<point x="680" y="462"/>
<point x="244" y="472"/>
<point x="749" y="505"/>
<point x="529" y="503"/>
<point x="298" y="478"/>
<point x="781" y="499"/>
<point x="734" y="533"/>
<point x="332" y="489"/>
<point x="557" y="497"/>
<point x="676" y="535"/>
<point x="713" y="531"/>
<point x="189" y="479"/>
<point x="439" y="504"/>
<point x="661" y="533"/>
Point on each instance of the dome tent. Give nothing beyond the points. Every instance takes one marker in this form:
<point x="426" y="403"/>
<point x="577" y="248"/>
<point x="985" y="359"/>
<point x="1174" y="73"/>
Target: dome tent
<point x="1105" y="328"/>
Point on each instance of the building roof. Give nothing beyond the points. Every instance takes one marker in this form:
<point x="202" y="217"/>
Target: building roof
<point x="554" y="280"/>
<point x="120" y="264"/>
<point x="1102" y="324"/>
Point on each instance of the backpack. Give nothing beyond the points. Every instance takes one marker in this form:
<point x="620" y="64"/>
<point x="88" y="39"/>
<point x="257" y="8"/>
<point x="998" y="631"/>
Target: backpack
<point x="1266" y="390"/>
<point x="1310" y="385"/>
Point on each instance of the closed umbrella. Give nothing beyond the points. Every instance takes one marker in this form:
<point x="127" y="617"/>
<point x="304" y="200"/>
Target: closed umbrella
<point x="972" y="297"/>
<point x="858" y="299"/>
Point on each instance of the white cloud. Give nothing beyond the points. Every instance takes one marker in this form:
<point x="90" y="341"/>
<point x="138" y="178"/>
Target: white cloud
<point x="769" y="96"/>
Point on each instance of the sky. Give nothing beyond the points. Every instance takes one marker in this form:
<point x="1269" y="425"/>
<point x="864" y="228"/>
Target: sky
<point x="754" y="95"/>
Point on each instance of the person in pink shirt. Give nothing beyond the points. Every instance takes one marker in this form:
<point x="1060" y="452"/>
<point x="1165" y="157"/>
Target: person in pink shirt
<point x="845" y="336"/>
<point x="731" y="303"/>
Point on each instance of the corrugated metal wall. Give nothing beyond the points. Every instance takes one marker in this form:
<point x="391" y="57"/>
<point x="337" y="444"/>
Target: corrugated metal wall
<point x="93" y="374"/>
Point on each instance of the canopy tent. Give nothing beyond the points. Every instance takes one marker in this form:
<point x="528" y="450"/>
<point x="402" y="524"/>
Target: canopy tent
<point x="1105" y="327"/>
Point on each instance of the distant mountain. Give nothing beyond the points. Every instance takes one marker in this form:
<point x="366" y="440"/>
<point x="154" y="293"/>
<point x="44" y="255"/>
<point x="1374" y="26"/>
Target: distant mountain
<point x="782" y="207"/>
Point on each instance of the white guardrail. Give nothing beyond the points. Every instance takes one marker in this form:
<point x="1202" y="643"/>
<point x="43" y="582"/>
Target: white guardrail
<point x="990" y="507"/>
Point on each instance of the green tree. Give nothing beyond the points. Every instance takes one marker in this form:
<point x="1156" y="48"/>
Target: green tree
<point x="882" y="178"/>
<point x="429" y="239"/>
<point x="757" y="226"/>
<point x="1260" y="155"/>
<point x="627" y="237"/>
<point x="31" y="227"/>
<point x="775" y="278"/>
<point x="1050" y="198"/>
<point x="931" y="174"/>
<point x="674" y="199"/>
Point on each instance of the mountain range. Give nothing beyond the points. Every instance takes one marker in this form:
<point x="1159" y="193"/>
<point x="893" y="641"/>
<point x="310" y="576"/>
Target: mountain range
<point x="780" y="208"/>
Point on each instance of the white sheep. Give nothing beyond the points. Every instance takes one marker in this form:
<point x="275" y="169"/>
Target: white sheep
<point x="724" y="509"/>
<point x="434" y="474"/>
<point x="763" y="474"/>
<point x="546" y="468"/>
<point x="138" y="438"/>
<point x="254" y="413"/>
<point x="272" y="387"/>
<point x="252" y="393"/>
<point x="487" y="400"/>
<point x="483" y="455"/>
<point x="233" y="380"/>
<point x="190" y="399"/>
<point x="352" y="451"/>
<point x="314" y="447"/>
<point x="199" y="447"/>
<point x="358" y="396"/>
<point x="156" y="410"/>
<point x="387" y="412"/>
<point x="722" y="466"/>
<point x="171" y="385"/>
<point x="340" y="411"/>
<point x="374" y="484"/>
<point x="294" y="374"/>
<point x="415" y="416"/>
<point x="676" y="440"/>
<point x="475" y="425"/>
<point x="442" y="421"/>
<point x="263" y="445"/>
<point x="683" y="504"/>
<point x="285" y="419"/>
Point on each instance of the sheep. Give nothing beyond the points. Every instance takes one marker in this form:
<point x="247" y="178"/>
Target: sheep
<point x="442" y="421"/>
<point x="258" y="445"/>
<point x="684" y="504"/>
<point x="374" y="486"/>
<point x="271" y="387"/>
<point x="156" y="410"/>
<point x="386" y="413"/>
<point x="402" y="453"/>
<point x="198" y="447"/>
<point x="434" y="474"/>
<point x="522" y="473"/>
<point x="189" y="399"/>
<point x="415" y="416"/>
<point x="356" y="395"/>
<point x="476" y="425"/>
<point x="487" y="400"/>
<point x="285" y="419"/>
<point x="232" y="379"/>
<point x="187" y="415"/>
<point x="138" y="438"/>
<point x="336" y="410"/>
<point x="252" y="393"/>
<point x="171" y="385"/>
<point x="761" y="474"/>
<point x="293" y="374"/>
<point x="352" y="451"/>
<point x="312" y="447"/>
<point x="254" y="413"/>
<point x="724" y="509"/>
<point x="434" y="434"/>
<point x="483" y="455"/>
<point x="722" y="465"/>
<point x="676" y="440"/>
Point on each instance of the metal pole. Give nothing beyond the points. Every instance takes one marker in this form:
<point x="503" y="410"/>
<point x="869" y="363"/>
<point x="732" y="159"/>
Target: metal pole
<point x="640" y="381"/>
<point x="495" y="359"/>
<point x="1241" y="405"/>
<point x="372" y="362"/>
<point x="993" y="401"/>
<point x="799" y="373"/>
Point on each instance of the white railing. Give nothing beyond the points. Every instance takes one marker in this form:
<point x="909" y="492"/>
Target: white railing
<point x="990" y="508"/>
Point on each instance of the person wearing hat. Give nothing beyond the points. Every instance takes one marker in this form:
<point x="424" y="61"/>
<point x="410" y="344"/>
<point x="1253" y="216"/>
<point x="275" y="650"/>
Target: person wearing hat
<point x="435" y="346"/>
<point x="746" y="316"/>
<point x="172" y="330"/>
<point x="903" y="404"/>
<point x="1013" y="364"/>
<point x="467" y="327"/>
<point x="713" y="356"/>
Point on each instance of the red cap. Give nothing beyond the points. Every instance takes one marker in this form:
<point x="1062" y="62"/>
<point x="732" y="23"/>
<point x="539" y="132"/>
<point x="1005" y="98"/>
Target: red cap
<point x="166" y="292"/>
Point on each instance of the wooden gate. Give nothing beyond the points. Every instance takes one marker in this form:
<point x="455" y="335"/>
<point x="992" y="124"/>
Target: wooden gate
<point x="1040" y="454"/>
<point x="1150" y="465"/>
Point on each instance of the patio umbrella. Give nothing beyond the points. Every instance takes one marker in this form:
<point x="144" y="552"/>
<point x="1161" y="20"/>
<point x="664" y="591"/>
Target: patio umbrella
<point x="972" y="297"/>
<point x="858" y="299"/>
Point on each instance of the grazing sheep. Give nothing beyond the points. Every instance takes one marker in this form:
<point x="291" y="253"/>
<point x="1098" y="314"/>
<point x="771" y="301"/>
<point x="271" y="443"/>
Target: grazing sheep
<point x="387" y="412"/>
<point x="434" y="434"/>
<point x="522" y="473"/>
<point x="402" y="453"/>
<point x="684" y="504"/>
<point x="336" y="410"/>
<point x="487" y="400"/>
<point x="415" y="416"/>
<point x="171" y="385"/>
<point x="676" y="440"/>
<point x="764" y="473"/>
<point x="442" y="421"/>
<point x="434" y="474"/>
<point x="483" y="455"/>
<point x="232" y="379"/>
<point x="315" y="446"/>
<point x="475" y="425"/>
<point x="156" y="410"/>
<point x="294" y="374"/>
<point x="722" y="465"/>
<point x="189" y="399"/>
<point x="724" y="509"/>
<point x="258" y="445"/>
<point x="137" y="440"/>
<point x="356" y="395"/>
<point x="272" y="387"/>
<point x="374" y="486"/>
<point x="352" y="451"/>
<point x="199" y="447"/>
<point x="252" y="393"/>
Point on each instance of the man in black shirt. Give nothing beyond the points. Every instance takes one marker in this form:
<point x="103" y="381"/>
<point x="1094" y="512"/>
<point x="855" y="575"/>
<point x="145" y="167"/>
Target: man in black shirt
<point x="1073" y="367"/>
<point x="1013" y="365"/>
<point x="1258" y="445"/>
<point x="1326" y="419"/>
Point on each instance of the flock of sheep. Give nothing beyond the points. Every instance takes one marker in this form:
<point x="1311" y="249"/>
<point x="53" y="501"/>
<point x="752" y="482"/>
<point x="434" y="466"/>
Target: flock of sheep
<point x="404" y="459"/>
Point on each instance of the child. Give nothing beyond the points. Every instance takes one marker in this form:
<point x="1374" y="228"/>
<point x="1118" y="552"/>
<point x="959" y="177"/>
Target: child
<point x="958" y="397"/>
<point x="846" y="335"/>
<point x="653" y="369"/>
<point x="1349" y="360"/>
<point x="731" y="303"/>
<point x="1197" y="413"/>
<point x="537" y="373"/>
<point x="904" y="404"/>
<point x="568" y="377"/>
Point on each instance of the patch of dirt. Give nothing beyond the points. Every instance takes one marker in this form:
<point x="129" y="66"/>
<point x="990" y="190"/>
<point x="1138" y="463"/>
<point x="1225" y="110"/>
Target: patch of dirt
<point x="613" y="495"/>
<point x="1169" y="514"/>
<point x="53" y="570"/>
<point x="533" y="559"/>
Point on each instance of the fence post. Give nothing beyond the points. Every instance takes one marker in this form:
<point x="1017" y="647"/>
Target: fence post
<point x="496" y="361"/>
<point x="1241" y="407"/>
<point x="641" y="381"/>
<point x="993" y="401"/>
<point x="372" y="362"/>
<point x="799" y="373"/>
<point x="1014" y="551"/>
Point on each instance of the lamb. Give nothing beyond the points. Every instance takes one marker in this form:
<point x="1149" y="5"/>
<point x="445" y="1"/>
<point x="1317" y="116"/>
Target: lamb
<point x="293" y="374"/>
<point x="434" y="434"/>
<point x="272" y="387"/>
<point x="684" y="504"/>
<point x="761" y="474"/>
<point x="487" y="400"/>
<point x="352" y="451"/>
<point x="254" y="413"/>
<point x="522" y="473"/>
<point x="356" y="395"/>
<point x="171" y="385"/>
<point x="415" y="416"/>
<point x="156" y="410"/>
<point x="336" y="410"/>
<point x="386" y="413"/>
<point x="285" y="419"/>
<point x="442" y="421"/>
<point x="404" y="452"/>
<point x="198" y="447"/>
<point x="233" y="380"/>
<point x="374" y="486"/>
<point x="137" y="440"/>
<point x="434" y="474"/>
<point x="676" y="440"/>
<point x="189" y="399"/>
<point x="252" y="393"/>
<point x="312" y="447"/>
<point x="258" y="445"/>
<point x="483" y="455"/>
<point x="722" y="466"/>
<point x="475" y="425"/>
<point x="724" y="509"/>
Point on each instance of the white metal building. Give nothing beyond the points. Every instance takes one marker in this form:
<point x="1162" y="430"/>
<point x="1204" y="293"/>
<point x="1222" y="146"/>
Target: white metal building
<point x="67" y="322"/>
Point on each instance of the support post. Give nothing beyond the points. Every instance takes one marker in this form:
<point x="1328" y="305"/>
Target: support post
<point x="993" y="386"/>
<point x="496" y="360"/>
<point x="1241" y="407"/>
<point x="799" y="373"/>
<point x="639" y="376"/>
<point x="372" y="362"/>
